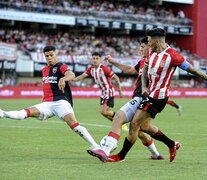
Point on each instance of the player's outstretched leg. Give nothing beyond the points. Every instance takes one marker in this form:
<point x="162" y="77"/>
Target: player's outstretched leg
<point x="18" y="115"/>
<point x="21" y="114"/>
<point x="172" y="145"/>
<point x="80" y="130"/>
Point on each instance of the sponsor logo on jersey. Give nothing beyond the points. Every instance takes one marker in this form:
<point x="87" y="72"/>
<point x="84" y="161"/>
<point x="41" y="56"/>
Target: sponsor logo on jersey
<point x="50" y="79"/>
<point x="54" y="70"/>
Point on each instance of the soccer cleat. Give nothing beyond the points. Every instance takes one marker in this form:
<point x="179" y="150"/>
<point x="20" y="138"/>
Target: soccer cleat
<point x="173" y="150"/>
<point x="179" y="110"/>
<point x="1" y="113"/>
<point x="160" y="157"/>
<point x="99" y="154"/>
<point x="115" y="158"/>
<point x="95" y="147"/>
<point x="125" y="127"/>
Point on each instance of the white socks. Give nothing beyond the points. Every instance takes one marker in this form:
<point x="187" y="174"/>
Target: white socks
<point x="83" y="132"/>
<point x="110" y="145"/>
<point x="22" y="114"/>
<point x="152" y="148"/>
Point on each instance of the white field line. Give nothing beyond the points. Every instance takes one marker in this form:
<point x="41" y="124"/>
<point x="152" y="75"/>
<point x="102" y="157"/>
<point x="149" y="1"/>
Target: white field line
<point x="86" y="124"/>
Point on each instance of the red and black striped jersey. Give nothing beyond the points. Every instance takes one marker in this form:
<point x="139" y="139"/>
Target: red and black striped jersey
<point x="138" y="84"/>
<point x="51" y="77"/>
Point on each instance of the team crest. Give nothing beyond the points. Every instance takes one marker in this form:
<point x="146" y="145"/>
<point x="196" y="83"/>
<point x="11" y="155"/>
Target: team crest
<point x="54" y="70"/>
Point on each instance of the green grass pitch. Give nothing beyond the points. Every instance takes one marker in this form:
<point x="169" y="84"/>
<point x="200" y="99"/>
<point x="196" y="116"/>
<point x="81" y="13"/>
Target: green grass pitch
<point x="31" y="149"/>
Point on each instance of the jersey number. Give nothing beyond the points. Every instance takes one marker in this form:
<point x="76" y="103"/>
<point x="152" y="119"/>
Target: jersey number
<point x="133" y="102"/>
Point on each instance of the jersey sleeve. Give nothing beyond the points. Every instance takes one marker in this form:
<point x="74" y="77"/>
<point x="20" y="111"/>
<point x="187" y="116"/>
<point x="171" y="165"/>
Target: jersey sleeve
<point x="64" y="68"/>
<point x="177" y="59"/>
<point x="136" y="67"/>
<point x="108" y="71"/>
<point x="88" y="71"/>
<point x="146" y="60"/>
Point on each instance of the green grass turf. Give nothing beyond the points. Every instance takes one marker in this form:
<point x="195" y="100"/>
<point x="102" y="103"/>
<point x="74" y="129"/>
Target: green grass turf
<point x="31" y="149"/>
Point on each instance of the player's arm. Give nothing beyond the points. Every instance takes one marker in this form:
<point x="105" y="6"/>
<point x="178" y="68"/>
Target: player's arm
<point x="145" y="90"/>
<point x="80" y="77"/>
<point x="68" y="76"/>
<point x="116" y="78"/>
<point x="125" y="68"/>
<point x="189" y="68"/>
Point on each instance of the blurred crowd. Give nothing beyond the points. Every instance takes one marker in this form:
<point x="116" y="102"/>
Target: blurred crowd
<point x="8" y="80"/>
<point x="82" y="44"/>
<point x="78" y="44"/>
<point x="101" y="9"/>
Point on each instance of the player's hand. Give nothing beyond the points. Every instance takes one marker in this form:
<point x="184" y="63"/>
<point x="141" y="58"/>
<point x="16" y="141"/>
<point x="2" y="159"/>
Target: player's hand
<point x="61" y="84"/>
<point x="145" y="91"/>
<point x="109" y="59"/>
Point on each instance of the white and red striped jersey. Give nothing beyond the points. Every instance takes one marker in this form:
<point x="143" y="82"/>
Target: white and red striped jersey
<point x="102" y="76"/>
<point x="161" y="67"/>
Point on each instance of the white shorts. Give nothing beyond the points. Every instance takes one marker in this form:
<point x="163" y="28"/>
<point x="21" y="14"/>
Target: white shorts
<point x="130" y="108"/>
<point x="55" y="108"/>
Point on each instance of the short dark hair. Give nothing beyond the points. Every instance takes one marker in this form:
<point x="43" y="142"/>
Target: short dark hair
<point x="156" y="32"/>
<point x="144" y="40"/>
<point x="96" y="54"/>
<point x="48" y="48"/>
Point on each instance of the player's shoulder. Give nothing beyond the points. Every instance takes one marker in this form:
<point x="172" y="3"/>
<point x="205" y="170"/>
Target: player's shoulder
<point x="91" y="67"/>
<point x="142" y="60"/>
<point x="174" y="53"/>
<point x="171" y="51"/>
<point x="102" y="66"/>
<point x="45" y="67"/>
<point x="59" y="64"/>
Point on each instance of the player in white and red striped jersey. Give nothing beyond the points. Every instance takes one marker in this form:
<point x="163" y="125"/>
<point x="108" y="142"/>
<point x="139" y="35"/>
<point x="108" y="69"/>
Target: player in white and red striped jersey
<point x="102" y="76"/>
<point x="127" y="111"/>
<point x="159" y="68"/>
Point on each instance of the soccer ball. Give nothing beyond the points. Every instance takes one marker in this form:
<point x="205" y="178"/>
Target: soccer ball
<point x="103" y="143"/>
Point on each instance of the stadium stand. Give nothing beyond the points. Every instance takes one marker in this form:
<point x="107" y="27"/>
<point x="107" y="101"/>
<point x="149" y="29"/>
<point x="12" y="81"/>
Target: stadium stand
<point x="101" y="9"/>
<point x="75" y="42"/>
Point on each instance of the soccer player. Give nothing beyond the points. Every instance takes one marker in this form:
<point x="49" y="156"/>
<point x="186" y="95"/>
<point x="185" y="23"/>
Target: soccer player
<point x="57" y="98"/>
<point x="102" y="76"/>
<point x="127" y="111"/>
<point x="158" y="69"/>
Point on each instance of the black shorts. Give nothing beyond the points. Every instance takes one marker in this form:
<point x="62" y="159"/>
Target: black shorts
<point x="109" y="101"/>
<point x="152" y="106"/>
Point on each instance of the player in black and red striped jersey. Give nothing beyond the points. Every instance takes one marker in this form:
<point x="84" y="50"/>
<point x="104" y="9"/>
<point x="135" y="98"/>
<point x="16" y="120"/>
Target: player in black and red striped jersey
<point x="57" y="97"/>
